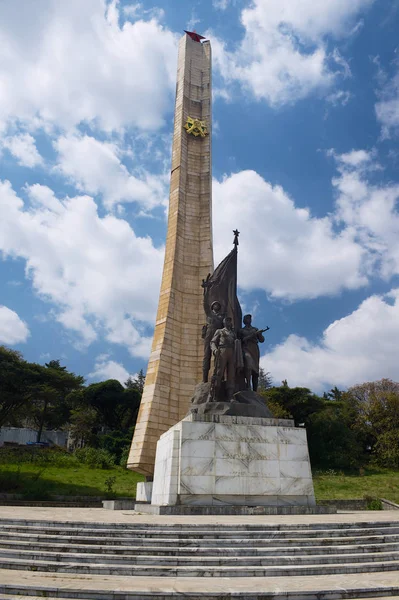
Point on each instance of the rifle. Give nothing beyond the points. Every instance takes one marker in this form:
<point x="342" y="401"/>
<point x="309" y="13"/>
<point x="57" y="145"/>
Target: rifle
<point x="255" y="333"/>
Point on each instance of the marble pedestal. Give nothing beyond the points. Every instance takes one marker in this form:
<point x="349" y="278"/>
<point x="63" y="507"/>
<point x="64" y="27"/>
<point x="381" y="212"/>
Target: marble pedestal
<point x="233" y="461"/>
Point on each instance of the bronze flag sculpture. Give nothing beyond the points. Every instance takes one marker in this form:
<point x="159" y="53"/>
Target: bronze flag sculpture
<point x="233" y="385"/>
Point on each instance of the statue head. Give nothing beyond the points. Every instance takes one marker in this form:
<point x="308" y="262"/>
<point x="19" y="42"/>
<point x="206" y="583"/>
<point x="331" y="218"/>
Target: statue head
<point x="247" y="320"/>
<point x="216" y="307"/>
<point x="228" y="322"/>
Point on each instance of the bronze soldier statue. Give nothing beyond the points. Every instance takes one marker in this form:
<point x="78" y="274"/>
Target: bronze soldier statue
<point x="214" y="321"/>
<point x="250" y="337"/>
<point x="223" y="348"/>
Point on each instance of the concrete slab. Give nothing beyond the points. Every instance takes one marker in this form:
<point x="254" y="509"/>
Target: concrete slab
<point x="326" y="586"/>
<point x="100" y="515"/>
<point x="192" y="509"/>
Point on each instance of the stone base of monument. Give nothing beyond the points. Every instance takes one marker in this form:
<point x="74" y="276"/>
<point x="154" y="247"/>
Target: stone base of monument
<point x="220" y="464"/>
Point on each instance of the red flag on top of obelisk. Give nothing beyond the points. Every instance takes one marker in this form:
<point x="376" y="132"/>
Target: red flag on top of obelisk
<point x="196" y="37"/>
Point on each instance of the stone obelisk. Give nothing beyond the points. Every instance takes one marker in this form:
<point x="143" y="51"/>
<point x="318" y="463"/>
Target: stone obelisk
<point x="175" y="364"/>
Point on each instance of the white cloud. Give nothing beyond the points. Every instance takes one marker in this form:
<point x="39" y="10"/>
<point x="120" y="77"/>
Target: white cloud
<point x="283" y="56"/>
<point x="284" y="250"/>
<point x="312" y="21"/>
<point x="369" y="209"/>
<point x="340" y="61"/>
<point x="193" y="21"/>
<point x="125" y="332"/>
<point x="220" y="4"/>
<point x="14" y="282"/>
<point x="100" y="276"/>
<point x="133" y="10"/>
<point x="95" y="167"/>
<point x="359" y="347"/>
<point x="340" y="97"/>
<point x="137" y="10"/>
<point x="23" y="148"/>
<point x="12" y="329"/>
<point x="362" y="345"/>
<point x="70" y="62"/>
<point x="105" y="368"/>
<point x="42" y="197"/>
<point x="354" y="158"/>
<point x="387" y="108"/>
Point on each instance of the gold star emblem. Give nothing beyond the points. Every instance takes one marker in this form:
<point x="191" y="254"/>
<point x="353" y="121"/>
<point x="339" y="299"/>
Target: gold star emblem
<point x="196" y="127"/>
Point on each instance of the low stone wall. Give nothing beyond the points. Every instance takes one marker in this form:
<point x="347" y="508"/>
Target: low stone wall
<point x="388" y="504"/>
<point x="60" y="501"/>
<point x="57" y="501"/>
<point x="351" y="504"/>
<point x="358" y="504"/>
<point x="58" y="498"/>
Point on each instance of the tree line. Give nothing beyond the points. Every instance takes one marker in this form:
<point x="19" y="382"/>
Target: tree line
<point x="50" y="397"/>
<point x="346" y="429"/>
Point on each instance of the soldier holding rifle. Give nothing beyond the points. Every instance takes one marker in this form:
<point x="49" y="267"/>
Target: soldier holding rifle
<point x="250" y="337"/>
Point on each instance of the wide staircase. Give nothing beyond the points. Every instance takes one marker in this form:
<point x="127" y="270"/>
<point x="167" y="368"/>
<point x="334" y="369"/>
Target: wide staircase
<point x="127" y="561"/>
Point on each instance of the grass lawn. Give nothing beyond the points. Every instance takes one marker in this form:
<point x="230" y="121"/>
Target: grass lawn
<point x="37" y="482"/>
<point x="42" y="481"/>
<point x="379" y="483"/>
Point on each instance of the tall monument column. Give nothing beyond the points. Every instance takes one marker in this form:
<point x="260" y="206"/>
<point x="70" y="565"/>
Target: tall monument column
<point x="175" y="364"/>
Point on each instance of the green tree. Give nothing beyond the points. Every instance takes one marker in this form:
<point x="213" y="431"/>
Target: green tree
<point x="387" y="449"/>
<point x="17" y="384"/>
<point x="137" y="383"/>
<point x="297" y="403"/>
<point x="49" y="407"/>
<point x="333" y="394"/>
<point x="332" y="441"/>
<point x="34" y="393"/>
<point x="376" y="421"/>
<point x="84" y="426"/>
<point x="116" y="406"/>
<point x="55" y="364"/>
<point x="265" y="380"/>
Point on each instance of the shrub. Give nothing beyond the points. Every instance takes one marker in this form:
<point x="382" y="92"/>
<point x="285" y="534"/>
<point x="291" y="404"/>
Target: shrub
<point x="124" y="456"/>
<point x="109" y="485"/>
<point x="57" y="457"/>
<point x="373" y="503"/>
<point x="95" y="458"/>
<point x="387" y="449"/>
<point x="115" y="442"/>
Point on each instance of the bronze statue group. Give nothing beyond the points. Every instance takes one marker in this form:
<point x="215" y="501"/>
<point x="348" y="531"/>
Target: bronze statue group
<point x="236" y="353"/>
<point x="235" y="348"/>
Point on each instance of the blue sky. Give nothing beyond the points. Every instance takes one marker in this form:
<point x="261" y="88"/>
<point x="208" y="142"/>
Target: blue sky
<point x="305" y="164"/>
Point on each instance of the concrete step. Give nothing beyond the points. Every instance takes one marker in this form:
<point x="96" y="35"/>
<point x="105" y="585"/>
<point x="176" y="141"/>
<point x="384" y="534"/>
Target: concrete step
<point x="221" y="533"/>
<point x="311" y="526"/>
<point x="155" y="570"/>
<point x="131" y="596"/>
<point x="173" y="542"/>
<point x="197" y="560"/>
<point x="93" y="587"/>
<point x="248" y="549"/>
